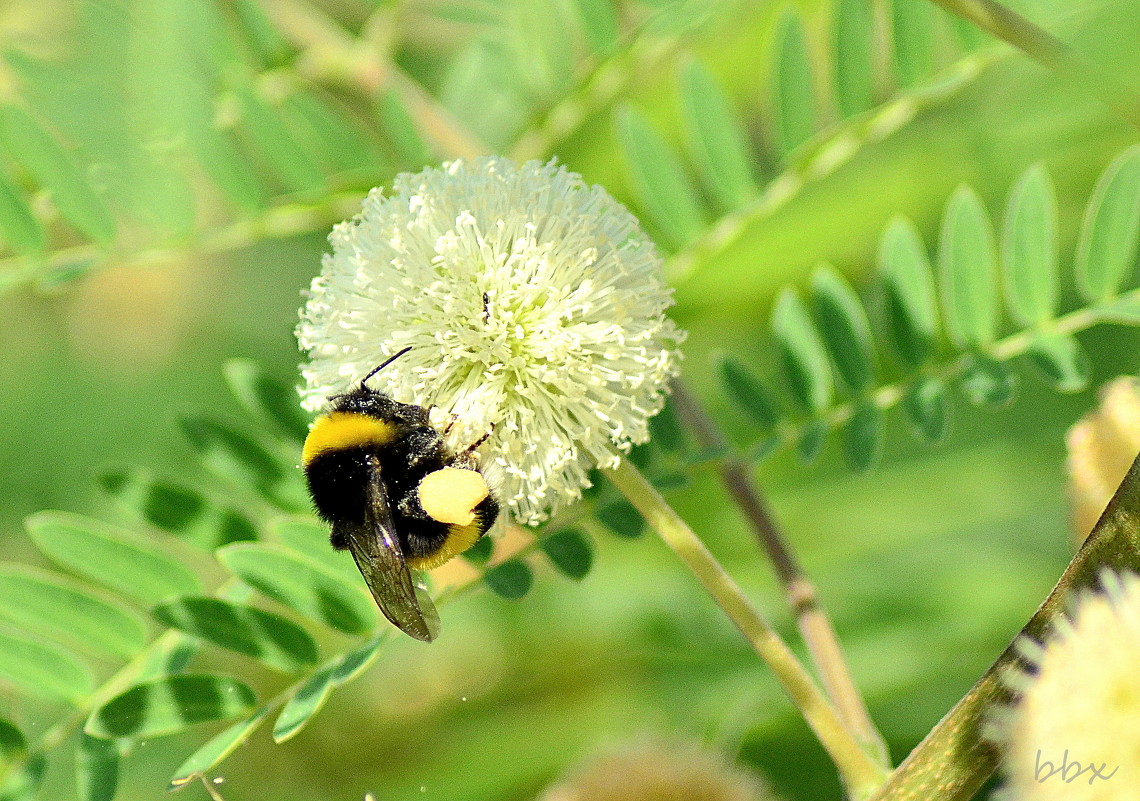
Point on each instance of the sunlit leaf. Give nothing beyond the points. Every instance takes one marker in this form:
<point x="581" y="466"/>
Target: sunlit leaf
<point x="988" y="382"/>
<point x="967" y="270"/>
<point x="170" y="705"/>
<point x="26" y="141"/>
<point x="50" y="606"/>
<point x="913" y="29"/>
<point x="271" y="47"/>
<point x="745" y="388"/>
<point x="1061" y="360"/>
<point x="217" y="748"/>
<point x="311" y="696"/>
<point x="179" y="510"/>
<point x="911" y="305"/>
<point x="805" y="363"/>
<point x="267" y="398"/>
<point x="928" y="408"/>
<point x="111" y="557"/>
<point x="1106" y="251"/>
<point x="794" y="95"/>
<point x="239" y="458"/>
<point x="43" y="670"/>
<point x="269" y="137"/>
<point x="96" y="768"/>
<point x="1029" y="248"/>
<point x="22" y="781"/>
<point x="395" y="121"/>
<point x="854" y="40"/>
<point x="311" y="538"/>
<point x="19" y="228"/>
<point x="843" y="324"/>
<point x="271" y="639"/>
<point x="599" y="24"/>
<point x="717" y="143"/>
<point x="302" y="584"/>
<point x="660" y="183"/>
<point x="336" y="140"/>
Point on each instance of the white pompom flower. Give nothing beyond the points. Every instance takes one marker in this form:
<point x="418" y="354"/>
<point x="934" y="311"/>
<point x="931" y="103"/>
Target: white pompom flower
<point x="1074" y="731"/>
<point x="534" y="308"/>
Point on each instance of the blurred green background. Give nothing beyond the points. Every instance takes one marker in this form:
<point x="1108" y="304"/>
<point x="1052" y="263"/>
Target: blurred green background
<point x="929" y="563"/>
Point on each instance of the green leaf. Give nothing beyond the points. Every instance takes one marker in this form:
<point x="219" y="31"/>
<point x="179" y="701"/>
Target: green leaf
<point x="332" y="136"/>
<point x="311" y="696"/>
<point x="1029" y="248"/>
<point x="22" y="781"/>
<point x="19" y="228"/>
<point x="271" y="639"/>
<point x="49" y="606"/>
<point x="1061" y="360"/>
<point x="13" y="744"/>
<point x="111" y="557"/>
<point x="267" y="398"/>
<point x="659" y="182"/>
<point x="717" y="144"/>
<point x="43" y="670"/>
<point x="270" y="47"/>
<point x="227" y="165"/>
<point x="302" y="584"/>
<point x="863" y="441"/>
<point x="272" y="140"/>
<point x="908" y="284"/>
<point x="511" y="579"/>
<point x="928" y="409"/>
<point x="745" y="388"/>
<point x="599" y="25"/>
<point x="812" y="439"/>
<point x="621" y="518"/>
<point x="96" y="768"/>
<point x="665" y="430"/>
<point x="1106" y="250"/>
<point x="966" y="271"/>
<point x="804" y="360"/>
<point x="1125" y="311"/>
<point x="170" y="705"/>
<point x="913" y="27"/>
<point x="179" y="510"/>
<point x="854" y="38"/>
<point x="401" y="130"/>
<point x="311" y="538"/>
<point x="480" y="552"/>
<point x="570" y="551"/>
<point x="237" y="457"/>
<point x="37" y="150"/>
<point x="844" y="327"/>
<point x="217" y="749"/>
<point x="306" y="702"/>
<point x="794" y="98"/>
<point x="988" y="382"/>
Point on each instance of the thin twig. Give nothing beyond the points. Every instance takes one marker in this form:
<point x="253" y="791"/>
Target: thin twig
<point x="799" y="591"/>
<point x="860" y="773"/>
<point x="332" y="54"/>
<point x="1044" y="47"/>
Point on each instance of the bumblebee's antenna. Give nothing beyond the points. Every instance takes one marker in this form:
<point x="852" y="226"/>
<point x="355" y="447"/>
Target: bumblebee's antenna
<point x="386" y="362"/>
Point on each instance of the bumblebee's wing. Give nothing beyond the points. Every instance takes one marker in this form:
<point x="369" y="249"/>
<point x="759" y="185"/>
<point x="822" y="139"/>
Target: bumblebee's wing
<point x="377" y="552"/>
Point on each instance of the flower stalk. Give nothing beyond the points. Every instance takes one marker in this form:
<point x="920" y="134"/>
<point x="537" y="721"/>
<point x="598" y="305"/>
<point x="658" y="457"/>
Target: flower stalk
<point x="799" y="591"/>
<point x="861" y="775"/>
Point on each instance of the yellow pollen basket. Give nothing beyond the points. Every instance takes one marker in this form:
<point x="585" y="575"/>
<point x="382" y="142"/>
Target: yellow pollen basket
<point x="340" y="430"/>
<point x="451" y="494"/>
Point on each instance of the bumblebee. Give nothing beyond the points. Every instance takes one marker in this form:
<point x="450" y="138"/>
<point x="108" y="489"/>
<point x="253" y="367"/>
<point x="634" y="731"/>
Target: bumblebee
<point x="394" y="495"/>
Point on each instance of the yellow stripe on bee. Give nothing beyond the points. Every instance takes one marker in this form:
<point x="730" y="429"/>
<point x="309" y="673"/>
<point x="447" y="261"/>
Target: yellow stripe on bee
<point x="459" y="539"/>
<point x="340" y="430"/>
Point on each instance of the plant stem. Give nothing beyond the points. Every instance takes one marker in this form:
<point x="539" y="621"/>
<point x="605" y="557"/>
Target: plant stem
<point x="1050" y="51"/>
<point x="860" y="774"/>
<point x="799" y="591"/>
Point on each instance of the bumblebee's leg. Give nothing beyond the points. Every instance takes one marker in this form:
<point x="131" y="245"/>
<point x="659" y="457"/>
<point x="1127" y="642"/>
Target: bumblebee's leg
<point x="423" y="444"/>
<point x="475" y="445"/>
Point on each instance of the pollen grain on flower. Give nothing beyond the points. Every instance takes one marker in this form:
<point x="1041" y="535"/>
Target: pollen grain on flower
<point x="534" y="307"/>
